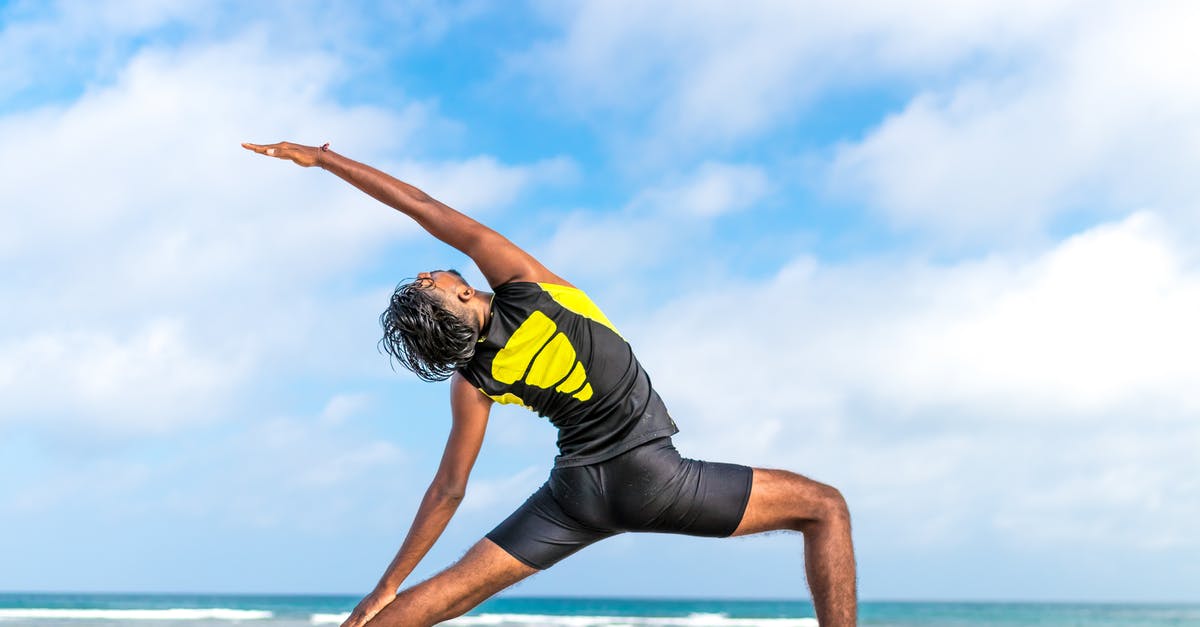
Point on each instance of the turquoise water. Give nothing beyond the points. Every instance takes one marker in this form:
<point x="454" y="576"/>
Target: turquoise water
<point x="198" y="610"/>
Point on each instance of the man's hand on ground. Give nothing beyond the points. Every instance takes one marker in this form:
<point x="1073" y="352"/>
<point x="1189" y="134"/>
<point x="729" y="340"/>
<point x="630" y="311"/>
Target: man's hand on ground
<point x="300" y="155"/>
<point x="369" y="607"/>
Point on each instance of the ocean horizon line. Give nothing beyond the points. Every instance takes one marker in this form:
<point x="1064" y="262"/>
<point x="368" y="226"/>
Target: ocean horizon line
<point x="607" y="597"/>
<point x="213" y="609"/>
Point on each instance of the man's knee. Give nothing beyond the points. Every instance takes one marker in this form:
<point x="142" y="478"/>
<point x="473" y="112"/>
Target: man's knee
<point x="818" y="503"/>
<point x="833" y="505"/>
<point x="781" y="499"/>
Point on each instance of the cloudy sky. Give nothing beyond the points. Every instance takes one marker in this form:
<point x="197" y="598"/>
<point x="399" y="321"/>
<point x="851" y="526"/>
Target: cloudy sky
<point x="941" y="255"/>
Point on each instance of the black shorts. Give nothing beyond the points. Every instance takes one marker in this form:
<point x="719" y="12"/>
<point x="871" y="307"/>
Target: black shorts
<point x="648" y="488"/>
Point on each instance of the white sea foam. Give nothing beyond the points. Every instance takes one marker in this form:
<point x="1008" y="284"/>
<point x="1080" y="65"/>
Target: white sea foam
<point x="215" y="613"/>
<point x="691" y="620"/>
<point x="544" y="620"/>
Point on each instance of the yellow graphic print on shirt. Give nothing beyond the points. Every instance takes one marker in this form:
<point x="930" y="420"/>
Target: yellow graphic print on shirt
<point x="537" y="340"/>
<point x="574" y="300"/>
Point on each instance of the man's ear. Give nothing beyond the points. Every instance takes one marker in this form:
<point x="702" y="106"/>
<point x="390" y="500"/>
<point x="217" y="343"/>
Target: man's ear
<point x="465" y="294"/>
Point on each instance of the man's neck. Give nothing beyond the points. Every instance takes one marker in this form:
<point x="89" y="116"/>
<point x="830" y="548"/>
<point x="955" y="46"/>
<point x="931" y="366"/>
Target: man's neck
<point x="481" y="304"/>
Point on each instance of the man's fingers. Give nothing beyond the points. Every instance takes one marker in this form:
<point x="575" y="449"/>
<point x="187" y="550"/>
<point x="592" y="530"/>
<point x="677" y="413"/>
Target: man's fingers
<point x="301" y="155"/>
<point x="262" y="150"/>
<point x="355" y="620"/>
<point x="270" y="150"/>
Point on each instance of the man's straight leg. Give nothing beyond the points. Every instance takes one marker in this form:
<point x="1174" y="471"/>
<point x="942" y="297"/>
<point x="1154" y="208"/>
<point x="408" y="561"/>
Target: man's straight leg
<point x="485" y="570"/>
<point x="785" y="500"/>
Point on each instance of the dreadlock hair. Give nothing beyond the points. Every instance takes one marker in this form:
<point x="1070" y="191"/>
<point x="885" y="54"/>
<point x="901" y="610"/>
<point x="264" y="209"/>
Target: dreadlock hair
<point x="423" y="335"/>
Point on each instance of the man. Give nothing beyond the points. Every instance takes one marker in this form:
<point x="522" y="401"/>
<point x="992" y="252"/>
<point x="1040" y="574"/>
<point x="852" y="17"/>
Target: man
<point x="538" y="341"/>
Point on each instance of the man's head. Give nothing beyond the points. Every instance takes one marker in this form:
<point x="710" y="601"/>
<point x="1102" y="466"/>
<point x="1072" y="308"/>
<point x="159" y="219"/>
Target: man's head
<point x="430" y="326"/>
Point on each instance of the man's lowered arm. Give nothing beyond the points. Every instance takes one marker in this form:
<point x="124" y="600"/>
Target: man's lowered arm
<point x="470" y="409"/>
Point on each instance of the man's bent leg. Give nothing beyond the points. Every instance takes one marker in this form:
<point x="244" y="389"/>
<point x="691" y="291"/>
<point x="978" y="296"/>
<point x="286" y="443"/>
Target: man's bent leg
<point x="785" y="500"/>
<point x="485" y="570"/>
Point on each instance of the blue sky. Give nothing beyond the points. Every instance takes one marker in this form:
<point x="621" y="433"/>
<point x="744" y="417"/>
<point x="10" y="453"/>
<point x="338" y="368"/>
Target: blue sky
<point x="943" y="257"/>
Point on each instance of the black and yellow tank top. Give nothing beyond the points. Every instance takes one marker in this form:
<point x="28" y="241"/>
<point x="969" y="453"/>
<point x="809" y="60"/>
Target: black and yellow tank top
<point x="550" y="348"/>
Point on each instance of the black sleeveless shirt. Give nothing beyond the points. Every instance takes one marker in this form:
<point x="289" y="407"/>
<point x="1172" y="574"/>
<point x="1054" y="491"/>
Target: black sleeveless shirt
<point x="549" y="348"/>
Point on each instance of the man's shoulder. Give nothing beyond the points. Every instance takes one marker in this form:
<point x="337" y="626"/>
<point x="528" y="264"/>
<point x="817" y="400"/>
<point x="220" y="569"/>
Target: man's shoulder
<point x="531" y="296"/>
<point x="520" y="294"/>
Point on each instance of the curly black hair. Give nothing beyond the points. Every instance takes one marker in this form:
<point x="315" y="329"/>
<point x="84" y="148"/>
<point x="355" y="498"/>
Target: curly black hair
<point x="423" y="335"/>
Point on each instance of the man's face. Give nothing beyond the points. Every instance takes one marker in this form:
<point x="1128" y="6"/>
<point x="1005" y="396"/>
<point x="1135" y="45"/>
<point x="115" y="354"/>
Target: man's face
<point x="444" y="280"/>
<point x="448" y="285"/>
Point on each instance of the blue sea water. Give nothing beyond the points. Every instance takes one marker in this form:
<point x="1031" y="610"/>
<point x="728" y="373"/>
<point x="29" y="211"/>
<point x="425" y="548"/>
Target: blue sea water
<point x="207" y="610"/>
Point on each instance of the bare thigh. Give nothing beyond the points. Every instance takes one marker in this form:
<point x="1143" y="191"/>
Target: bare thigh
<point x="782" y="500"/>
<point x="485" y="570"/>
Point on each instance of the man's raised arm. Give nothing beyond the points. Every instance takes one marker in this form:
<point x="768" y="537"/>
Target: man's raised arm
<point x="498" y="259"/>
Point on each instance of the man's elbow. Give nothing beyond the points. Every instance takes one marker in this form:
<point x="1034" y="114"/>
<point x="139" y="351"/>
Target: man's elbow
<point x="449" y="492"/>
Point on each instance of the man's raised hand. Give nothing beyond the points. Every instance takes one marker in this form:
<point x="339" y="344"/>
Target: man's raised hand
<point x="306" y="156"/>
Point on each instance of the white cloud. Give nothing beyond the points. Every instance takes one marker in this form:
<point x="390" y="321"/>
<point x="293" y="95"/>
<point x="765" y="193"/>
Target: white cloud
<point x="303" y="473"/>
<point x="937" y="395"/>
<point x="343" y="406"/>
<point x="78" y="37"/>
<point x="1105" y="314"/>
<point x="160" y="263"/>
<point x="498" y="494"/>
<point x="1104" y="120"/>
<point x="711" y="72"/>
<point x="51" y="48"/>
<point x="90" y="484"/>
<point x="294" y="472"/>
<point x="655" y="224"/>
<point x="714" y="189"/>
<point x="151" y="381"/>
<point x="1023" y="113"/>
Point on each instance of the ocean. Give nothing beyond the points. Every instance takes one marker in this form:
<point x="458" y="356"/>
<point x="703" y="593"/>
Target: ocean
<point x="212" y="610"/>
